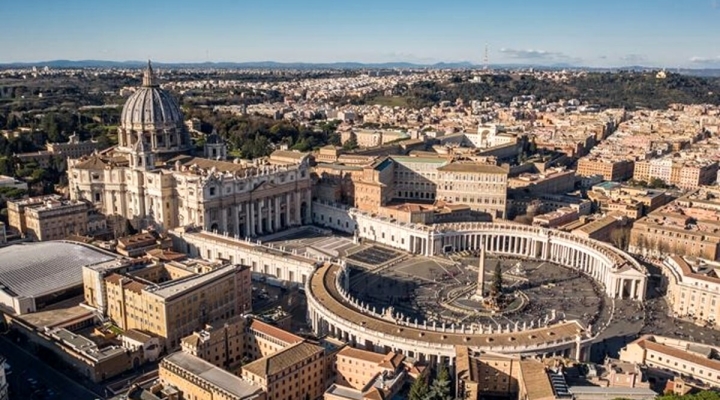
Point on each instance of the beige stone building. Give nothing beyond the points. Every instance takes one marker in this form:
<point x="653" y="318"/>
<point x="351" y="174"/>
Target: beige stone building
<point x="551" y="181"/>
<point x="221" y="343"/>
<point x="497" y="376"/>
<point x="693" y="289"/>
<point x="688" y="227"/>
<point x="170" y="300"/>
<point x="602" y="228"/>
<point x="482" y="187"/>
<point x="685" y="174"/>
<point x="49" y="217"/>
<point x="197" y="379"/>
<point x="611" y="170"/>
<point x="149" y="181"/>
<point x="663" y="355"/>
<point x="297" y="372"/>
<point x="633" y="202"/>
<point x="362" y="374"/>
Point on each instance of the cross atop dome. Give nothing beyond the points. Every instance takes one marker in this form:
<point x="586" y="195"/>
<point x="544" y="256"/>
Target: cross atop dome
<point x="149" y="76"/>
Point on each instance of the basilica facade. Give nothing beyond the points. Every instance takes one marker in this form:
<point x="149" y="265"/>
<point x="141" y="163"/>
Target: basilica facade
<point x="152" y="180"/>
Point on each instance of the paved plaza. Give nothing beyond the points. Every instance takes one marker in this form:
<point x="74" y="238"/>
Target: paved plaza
<point x="418" y="286"/>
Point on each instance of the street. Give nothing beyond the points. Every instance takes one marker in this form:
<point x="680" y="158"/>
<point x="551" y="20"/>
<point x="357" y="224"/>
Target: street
<point x="33" y="379"/>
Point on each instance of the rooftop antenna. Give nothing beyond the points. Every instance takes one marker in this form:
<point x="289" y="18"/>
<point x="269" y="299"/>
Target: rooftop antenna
<point x="486" y="63"/>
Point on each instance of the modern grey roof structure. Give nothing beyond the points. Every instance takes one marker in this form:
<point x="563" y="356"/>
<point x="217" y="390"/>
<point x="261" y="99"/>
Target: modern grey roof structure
<point x="35" y="269"/>
<point x="213" y="375"/>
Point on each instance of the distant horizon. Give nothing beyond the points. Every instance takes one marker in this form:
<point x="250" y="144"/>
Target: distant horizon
<point x="140" y="63"/>
<point x="661" y="33"/>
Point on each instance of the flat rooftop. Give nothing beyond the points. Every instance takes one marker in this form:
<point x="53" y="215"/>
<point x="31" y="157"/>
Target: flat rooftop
<point x="178" y="286"/>
<point x="37" y="269"/>
<point x="213" y="375"/>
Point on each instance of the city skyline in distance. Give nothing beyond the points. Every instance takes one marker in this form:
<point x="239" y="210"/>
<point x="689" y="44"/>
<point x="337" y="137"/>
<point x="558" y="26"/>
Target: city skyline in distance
<point x="612" y="34"/>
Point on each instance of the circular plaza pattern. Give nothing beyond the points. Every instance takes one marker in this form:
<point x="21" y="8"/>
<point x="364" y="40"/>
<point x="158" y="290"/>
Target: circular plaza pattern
<point x="560" y="287"/>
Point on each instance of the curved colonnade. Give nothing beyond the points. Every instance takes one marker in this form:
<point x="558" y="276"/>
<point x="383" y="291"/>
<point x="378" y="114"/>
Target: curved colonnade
<point x="332" y="311"/>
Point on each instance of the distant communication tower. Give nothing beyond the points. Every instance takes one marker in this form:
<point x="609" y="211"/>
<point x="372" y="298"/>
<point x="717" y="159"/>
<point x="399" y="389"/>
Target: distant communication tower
<point x="486" y="60"/>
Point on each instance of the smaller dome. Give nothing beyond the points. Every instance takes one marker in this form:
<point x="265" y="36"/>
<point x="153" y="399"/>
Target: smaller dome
<point x="214" y="138"/>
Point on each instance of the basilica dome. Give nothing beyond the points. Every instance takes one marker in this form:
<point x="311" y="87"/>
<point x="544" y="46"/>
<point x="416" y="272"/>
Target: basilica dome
<point x="152" y="113"/>
<point x="150" y="107"/>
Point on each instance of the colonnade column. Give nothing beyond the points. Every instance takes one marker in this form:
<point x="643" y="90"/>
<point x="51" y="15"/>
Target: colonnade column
<point x="287" y="210"/>
<point x="223" y="220"/>
<point x="277" y="213"/>
<point x="252" y="218"/>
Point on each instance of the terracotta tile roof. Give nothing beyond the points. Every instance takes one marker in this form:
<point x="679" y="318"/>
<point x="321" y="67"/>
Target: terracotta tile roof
<point x="392" y="361"/>
<point x="135" y="286"/>
<point x="359" y="354"/>
<point x="282" y="360"/>
<point x="114" y="279"/>
<point x="273" y="331"/>
<point x="536" y="381"/>
<point x="649" y="344"/>
<point x="137" y="335"/>
<point x="192" y="340"/>
<point x="92" y="162"/>
<point x="373" y="394"/>
<point x="687" y="270"/>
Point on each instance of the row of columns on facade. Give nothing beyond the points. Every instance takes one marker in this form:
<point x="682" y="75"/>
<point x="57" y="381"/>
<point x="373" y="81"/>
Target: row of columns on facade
<point x="546" y="249"/>
<point x="572" y="349"/>
<point x="254" y="209"/>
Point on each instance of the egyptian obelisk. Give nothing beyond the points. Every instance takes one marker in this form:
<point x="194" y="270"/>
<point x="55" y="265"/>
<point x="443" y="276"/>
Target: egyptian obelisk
<point x="479" y="292"/>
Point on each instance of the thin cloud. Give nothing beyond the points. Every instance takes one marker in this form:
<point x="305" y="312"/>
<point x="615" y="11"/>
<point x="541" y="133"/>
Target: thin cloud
<point x="715" y="4"/>
<point x="532" y="54"/>
<point x="633" y="58"/>
<point x="705" y="60"/>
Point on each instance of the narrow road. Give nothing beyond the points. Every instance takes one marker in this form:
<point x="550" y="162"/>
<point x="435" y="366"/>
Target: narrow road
<point x="26" y="366"/>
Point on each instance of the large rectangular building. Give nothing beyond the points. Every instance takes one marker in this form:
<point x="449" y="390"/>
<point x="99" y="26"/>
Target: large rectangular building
<point x="197" y="379"/>
<point x="689" y="226"/>
<point x="297" y="372"/>
<point x="170" y="300"/>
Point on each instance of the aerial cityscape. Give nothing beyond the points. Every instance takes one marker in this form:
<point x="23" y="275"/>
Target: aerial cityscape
<point x="368" y="201"/>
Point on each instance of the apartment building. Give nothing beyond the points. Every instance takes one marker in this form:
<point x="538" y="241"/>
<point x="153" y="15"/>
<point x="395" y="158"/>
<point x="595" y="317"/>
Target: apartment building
<point x="297" y="372"/>
<point x="170" y="300"/>
<point x="553" y="181"/>
<point x="48" y="217"/>
<point x="683" y="173"/>
<point x="502" y="377"/>
<point x="220" y="343"/>
<point x="602" y="228"/>
<point x="632" y="202"/>
<point x="198" y="379"/>
<point x="362" y="374"/>
<point x="610" y="170"/>
<point x="663" y="355"/>
<point x="693" y="290"/>
<point x="482" y="187"/>
<point x="688" y="226"/>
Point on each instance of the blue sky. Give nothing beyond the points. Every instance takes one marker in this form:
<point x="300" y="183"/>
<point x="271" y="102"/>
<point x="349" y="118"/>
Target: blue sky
<point x="667" y="33"/>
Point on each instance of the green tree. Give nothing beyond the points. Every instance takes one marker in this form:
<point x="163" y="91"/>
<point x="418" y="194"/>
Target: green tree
<point x="704" y="395"/>
<point x="419" y="389"/>
<point x="441" y="388"/>
<point x="351" y="143"/>
<point x="497" y="283"/>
